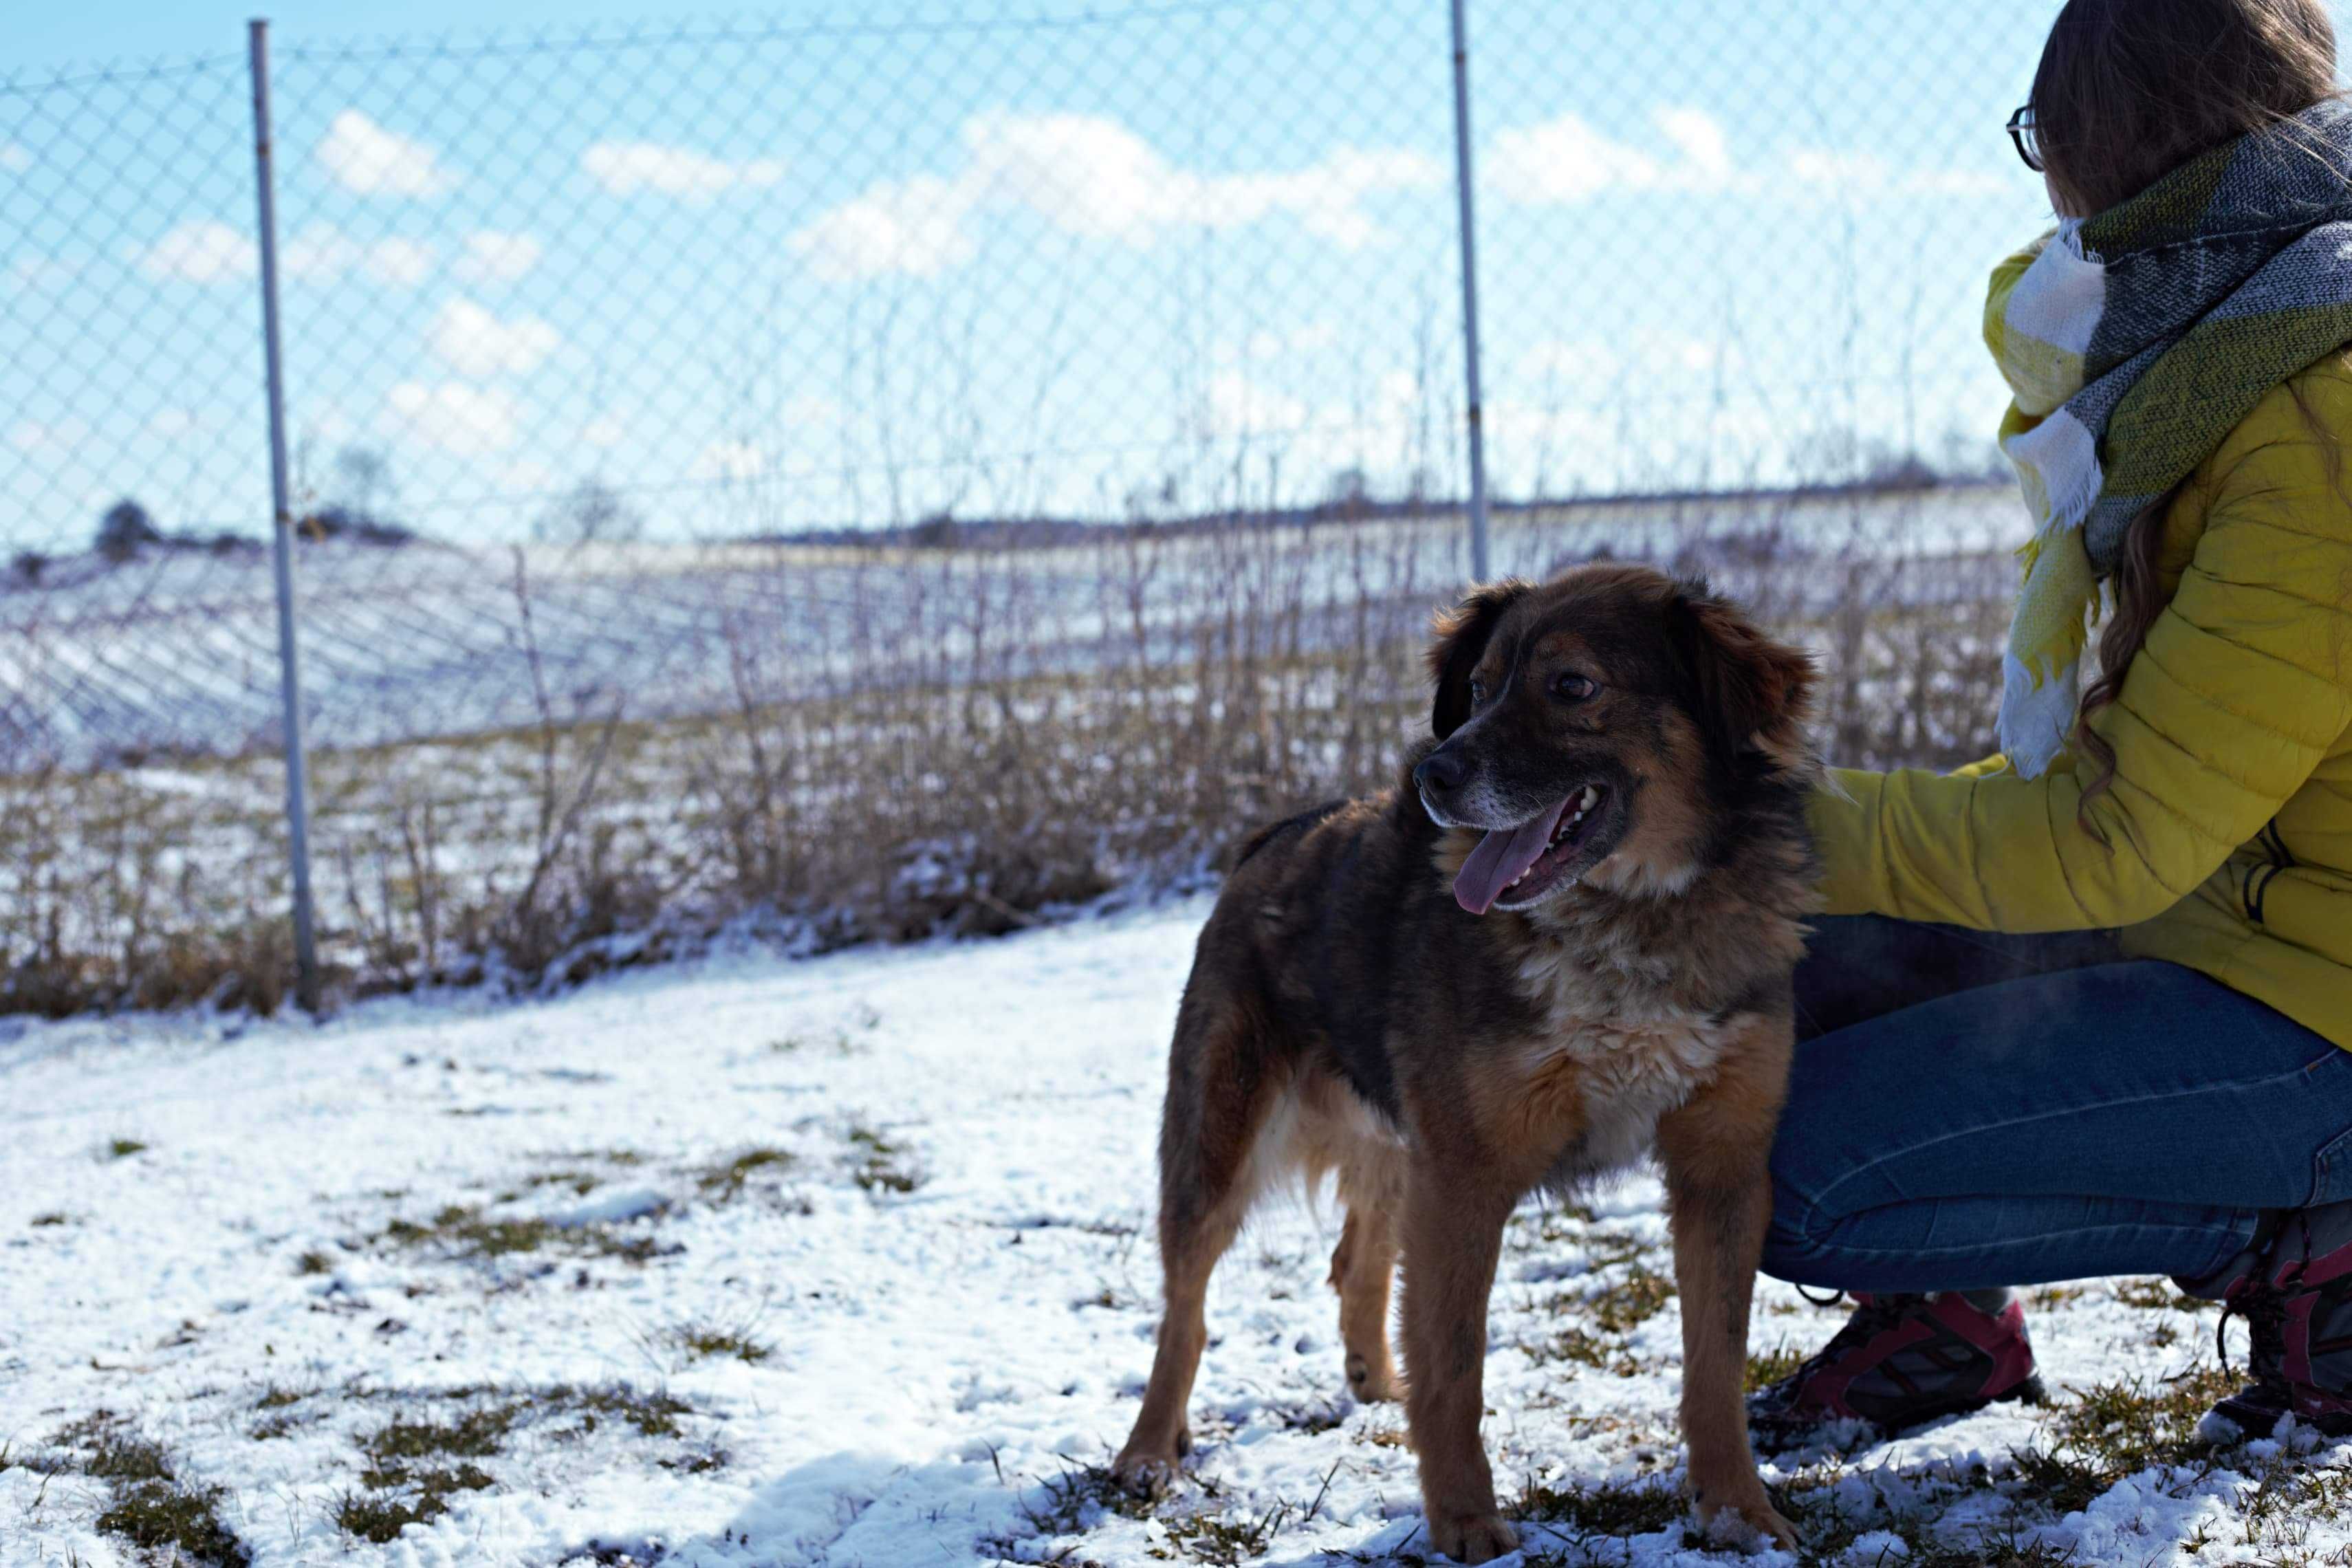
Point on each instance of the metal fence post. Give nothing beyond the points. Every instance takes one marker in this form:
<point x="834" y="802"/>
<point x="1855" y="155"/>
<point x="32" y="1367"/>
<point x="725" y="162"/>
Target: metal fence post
<point x="1477" y="412"/>
<point x="289" y="681"/>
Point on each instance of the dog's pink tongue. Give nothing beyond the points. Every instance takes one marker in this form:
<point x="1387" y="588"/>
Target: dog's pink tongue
<point x="1500" y="858"/>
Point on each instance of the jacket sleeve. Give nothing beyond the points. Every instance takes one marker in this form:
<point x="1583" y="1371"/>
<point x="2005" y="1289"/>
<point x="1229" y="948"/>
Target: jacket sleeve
<point x="2238" y="692"/>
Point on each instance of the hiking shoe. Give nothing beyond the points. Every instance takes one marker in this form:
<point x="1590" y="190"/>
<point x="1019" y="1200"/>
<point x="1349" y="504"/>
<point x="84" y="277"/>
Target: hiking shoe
<point x="1901" y="1360"/>
<point x="2297" y="1303"/>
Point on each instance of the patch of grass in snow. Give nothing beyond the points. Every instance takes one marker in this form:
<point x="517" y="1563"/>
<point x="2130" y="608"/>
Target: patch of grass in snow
<point x="2157" y="1294"/>
<point x="1766" y="1368"/>
<point x="379" y="1518"/>
<point x="877" y="1165"/>
<point x="2008" y="1551"/>
<point x="1225" y="1540"/>
<point x="395" y="1446"/>
<point x="581" y="1183"/>
<point x="723" y="1183"/>
<point x="40" y="1220"/>
<point x="464" y="1232"/>
<point x="415" y="1467"/>
<point x="150" y="1507"/>
<point x="1578" y="1344"/>
<point x="1618" y="1509"/>
<point x="1074" y="1500"/>
<point x="2118" y="1429"/>
<point x="416" y="1464"/>
<point x="314" y="1262"/>
<point x="653" y="1414"/>
<point x="708" y="1340"/>
<point x="123" y="1148"/>
<point x="277" y="1403"/>
<point x="837" y="1043"/>
<point x="1636" y="1296"/>
<point x="2291" y="1496"/>
<point x="1616" y="1308"/>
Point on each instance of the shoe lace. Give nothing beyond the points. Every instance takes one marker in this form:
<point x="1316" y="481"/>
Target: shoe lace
<point x="2264" y="1305"/>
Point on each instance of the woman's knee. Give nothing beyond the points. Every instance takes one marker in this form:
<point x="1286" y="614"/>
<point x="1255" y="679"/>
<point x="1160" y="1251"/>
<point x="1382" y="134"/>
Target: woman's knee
<point x="1799" y="1238"/>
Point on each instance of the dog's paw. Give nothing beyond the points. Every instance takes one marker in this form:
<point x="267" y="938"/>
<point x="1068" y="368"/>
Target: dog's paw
<point x="1372" y="1383"/>
<point x="1751" y="1523"/>
<point x="1148" y="1470"/>
<point x="1473" y="1538"/>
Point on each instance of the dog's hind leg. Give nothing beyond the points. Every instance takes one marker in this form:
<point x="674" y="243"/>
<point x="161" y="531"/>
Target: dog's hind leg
<point x="1362" y="1266"/>
<point x="1223" y="1083"/>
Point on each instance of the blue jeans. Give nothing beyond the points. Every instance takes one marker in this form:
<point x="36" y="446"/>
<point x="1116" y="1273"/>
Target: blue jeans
<point x="1969" y="1111"/>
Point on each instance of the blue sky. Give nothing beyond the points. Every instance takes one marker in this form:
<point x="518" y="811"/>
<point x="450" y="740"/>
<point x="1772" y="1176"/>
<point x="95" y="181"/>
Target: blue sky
<point x="991" y="258"/>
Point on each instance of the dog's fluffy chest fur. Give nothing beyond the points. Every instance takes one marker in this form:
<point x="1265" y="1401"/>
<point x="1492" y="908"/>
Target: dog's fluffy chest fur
<point x="1611" y="1018"/>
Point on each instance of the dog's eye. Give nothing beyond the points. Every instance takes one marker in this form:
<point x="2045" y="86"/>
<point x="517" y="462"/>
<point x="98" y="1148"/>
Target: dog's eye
<point x="1478" y="694"/>
<point x="1573" y="688"/>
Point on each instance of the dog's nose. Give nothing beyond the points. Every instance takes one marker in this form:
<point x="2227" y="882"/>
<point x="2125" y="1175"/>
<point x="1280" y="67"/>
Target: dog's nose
<point x="1441" y="773"/>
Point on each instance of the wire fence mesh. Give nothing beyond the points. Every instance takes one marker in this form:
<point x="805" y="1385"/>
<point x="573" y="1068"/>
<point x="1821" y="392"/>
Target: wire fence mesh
<point x="926" y="467"/>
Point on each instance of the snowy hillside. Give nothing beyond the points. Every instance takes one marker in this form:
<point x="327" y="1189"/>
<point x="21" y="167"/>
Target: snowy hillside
<point x="848" y="1262"/>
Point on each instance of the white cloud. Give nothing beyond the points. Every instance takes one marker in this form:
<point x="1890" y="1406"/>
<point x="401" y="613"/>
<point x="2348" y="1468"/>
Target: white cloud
<point x="1561" y="161"/>
<point x="15" y="159"/>
<point x="470" y="421"/>
<point x="37" y="273"/>
<point x="199" y="251"/>
<point x="322" y="253"/>
<point x="1868" y="173"/>
<point x="625" y="168"/>
<point x="202" y="251"/>
<point x="47" y="438"/>
<point x="605" y="432"/>
<point x="401" y="263"/>
<point x="473" y="342"/>
<point x="1094" y="178"/>
<point x="1266" y="344"/>
<point x="1576" y="364"/>
<point x="737" y="462"/>
<point x="490" y="256"/>
<point x="526" y="474"/>
<point x="1237" y="407"/>
<point x="362" y="156"/>
<point x="1645" y="351"/>
<point x="1699" y="137"/>
<point x="914" y="227"/>
<point x="178" y="424"/>
<point x="1566" y="160"/>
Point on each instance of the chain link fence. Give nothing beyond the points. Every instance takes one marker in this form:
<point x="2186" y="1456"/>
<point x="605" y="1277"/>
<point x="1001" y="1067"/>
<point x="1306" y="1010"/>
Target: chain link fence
<point x="918" y="470"/>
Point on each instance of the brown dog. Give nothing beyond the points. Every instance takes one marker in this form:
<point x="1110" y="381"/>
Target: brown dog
<point x="1564" y="942"/>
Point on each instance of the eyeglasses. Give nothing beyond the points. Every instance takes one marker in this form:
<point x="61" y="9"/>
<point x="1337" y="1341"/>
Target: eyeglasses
<point x="2020" y="131"/>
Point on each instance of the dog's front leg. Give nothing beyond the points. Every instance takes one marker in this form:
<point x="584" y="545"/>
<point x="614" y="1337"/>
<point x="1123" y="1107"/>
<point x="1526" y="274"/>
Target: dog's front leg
<point x="1719" y="1194"/>
<point x="1453" y="1219"/>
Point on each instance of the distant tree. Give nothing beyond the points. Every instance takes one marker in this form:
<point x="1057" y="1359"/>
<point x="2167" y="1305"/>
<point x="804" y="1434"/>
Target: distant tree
<point x="937" y="531"/>
<point x="29" y="565"/>
<point x="1348" y="487"/>
<point x="1891" y="469"/>
<point x="340" y="521"/>
<point x="592" y="512"/>
<point x="126" y="530"/>
<point x="362" y="479"/>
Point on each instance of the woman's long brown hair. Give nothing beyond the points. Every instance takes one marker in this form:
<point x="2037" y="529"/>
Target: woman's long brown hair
<point x="2126" y="91"/>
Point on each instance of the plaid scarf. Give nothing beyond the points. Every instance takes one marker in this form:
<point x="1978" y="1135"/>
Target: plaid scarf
<point x="2134" y="340"/>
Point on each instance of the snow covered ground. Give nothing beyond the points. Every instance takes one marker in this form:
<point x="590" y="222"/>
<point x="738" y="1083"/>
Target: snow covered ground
<point x="848" y="1262"/>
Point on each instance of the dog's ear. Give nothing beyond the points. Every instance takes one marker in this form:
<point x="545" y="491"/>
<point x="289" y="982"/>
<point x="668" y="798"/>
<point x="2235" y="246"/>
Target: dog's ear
<point x="1755" y="693"/>
<point x="1461" y="641"/>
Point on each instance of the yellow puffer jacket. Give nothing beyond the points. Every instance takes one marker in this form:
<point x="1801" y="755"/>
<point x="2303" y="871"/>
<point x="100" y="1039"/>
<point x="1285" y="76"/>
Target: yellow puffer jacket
<point x="2228" y="826"/>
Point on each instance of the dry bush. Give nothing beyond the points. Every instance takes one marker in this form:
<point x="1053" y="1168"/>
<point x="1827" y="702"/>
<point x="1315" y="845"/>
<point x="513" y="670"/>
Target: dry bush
<point x="909" y="741"/>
